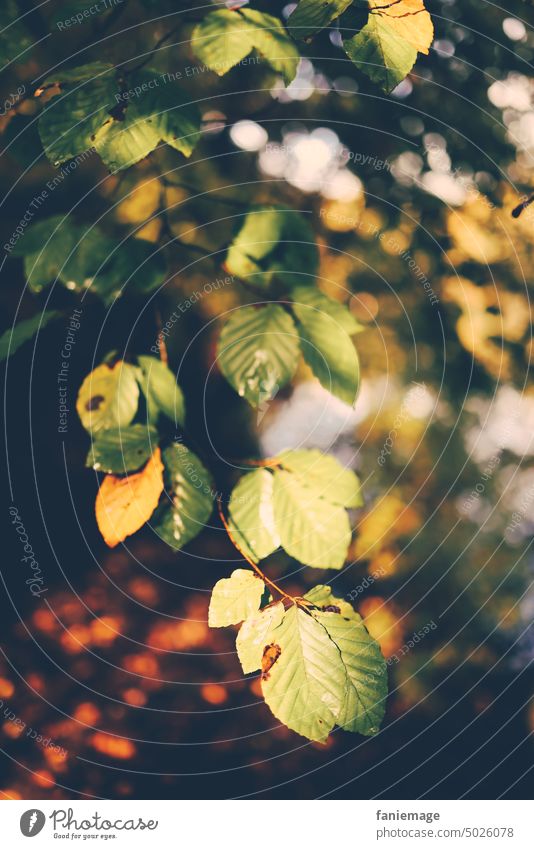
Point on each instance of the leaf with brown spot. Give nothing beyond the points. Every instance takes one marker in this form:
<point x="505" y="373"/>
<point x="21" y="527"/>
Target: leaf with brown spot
<point x="124" y="504"/>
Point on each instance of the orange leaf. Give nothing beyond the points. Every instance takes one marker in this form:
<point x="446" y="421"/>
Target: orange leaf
<point x="409" y="19"/>
<point x="123" y="505"/>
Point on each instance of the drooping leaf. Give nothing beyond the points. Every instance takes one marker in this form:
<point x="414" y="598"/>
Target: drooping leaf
<point x="188" y="497"/>
<point x="310" y="16"/>
<point x="225" y="37"/>
<point x="305" y="684"/>
<point x="329" y="351"/>
<point x="321" y="596"/>
<point x="252" y="637"/>
<point x="12" y="339"/>
<point x="118" y="450"/>
<point x="312" y="530"/>
<point x="381" y="53"/>
<point x="159" y="112"/>
<point x="258" y="351"/>
<point x="235" y="598"/>
<point x="108" y="397"/>
<point x="15" y="40"/>
<point x="364" y="702"/>
<point x="251" y="515"/>
<point x="325" y="475"/>
<point x="123" y="505"/>
<point x="273" y="243"/>
<point x="70" y="120"/>
<point x="162" y="393"/>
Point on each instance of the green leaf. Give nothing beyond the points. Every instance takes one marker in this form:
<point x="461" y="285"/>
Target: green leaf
<point x="312" y="530"/>
<point x="383" y="55"/>
<point x="70" y="120"/>
<point x="252" y="515"/>
<point x="325" y="475"/>
<point x="252" y="637"/>
<point x="273" y="243"/>
<point x="15" y="40"/>
<point x="108" y="397"/>
<point x="225" y="37"/>
<point x="258" y="351"/>
<point x="120" y="450"/>
<point x="12" y="339"/>
<point x="310" y="16"/>
<point x="235" y="599"/>
<point x="329" y="351"/>
<point x="364" y="701"/>
<point x="162" y="393"/>
<point x="305" y="685"/>
<point x="160" y="112"/>
<point x="189" y="497"/>
<point x="312" y="297"/>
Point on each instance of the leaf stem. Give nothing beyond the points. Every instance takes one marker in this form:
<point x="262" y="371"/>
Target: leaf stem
<point x="249" y="559"/>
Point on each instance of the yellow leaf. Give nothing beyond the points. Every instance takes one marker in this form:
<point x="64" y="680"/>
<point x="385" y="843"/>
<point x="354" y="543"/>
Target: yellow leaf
<point x="409" y="19"/>
<point x="123" y="505"/>
<point x="108" y="397"/>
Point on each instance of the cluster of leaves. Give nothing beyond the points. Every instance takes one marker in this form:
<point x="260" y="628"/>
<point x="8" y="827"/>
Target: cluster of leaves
<point x="319" y="665"/>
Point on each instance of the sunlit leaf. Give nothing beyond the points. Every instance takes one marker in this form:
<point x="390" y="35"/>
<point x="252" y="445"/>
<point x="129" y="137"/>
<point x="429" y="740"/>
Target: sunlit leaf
<point x="188" y="497"/>
<point x="329" y="351"/>
<point x="364" y="700"/>
<point x="225" y="37"/>
<point x="258" y="351"/>
<point x="409" y="19"/>
<point x="312" y="297"/>
<point x="118" y="450"/>
<point x="108" y="397"/>
<point x="235" y="599"/>
<point x="123" y="505"/>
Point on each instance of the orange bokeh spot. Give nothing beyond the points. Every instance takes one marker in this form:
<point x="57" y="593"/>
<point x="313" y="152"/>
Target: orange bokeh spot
<point x="215" y="694"/>
<point x="6" y="688"/>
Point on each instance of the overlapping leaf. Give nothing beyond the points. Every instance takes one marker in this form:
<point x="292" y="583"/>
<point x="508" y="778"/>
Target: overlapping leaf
<point x="225" y="37"/>
<point x="258" y="351"/>
<point x="385" y="49"/>
<point x="12" y="339"/>
<point x="251" y="515"/>
<point x="235" y="598"/>
<point x="108" y="397"/>
<point x="124" y="122"/>
<point x="320" y="667"/>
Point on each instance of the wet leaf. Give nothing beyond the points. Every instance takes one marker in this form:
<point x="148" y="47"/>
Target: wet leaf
<point x="188" y="498"/>
<point x="119" y="450"/>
